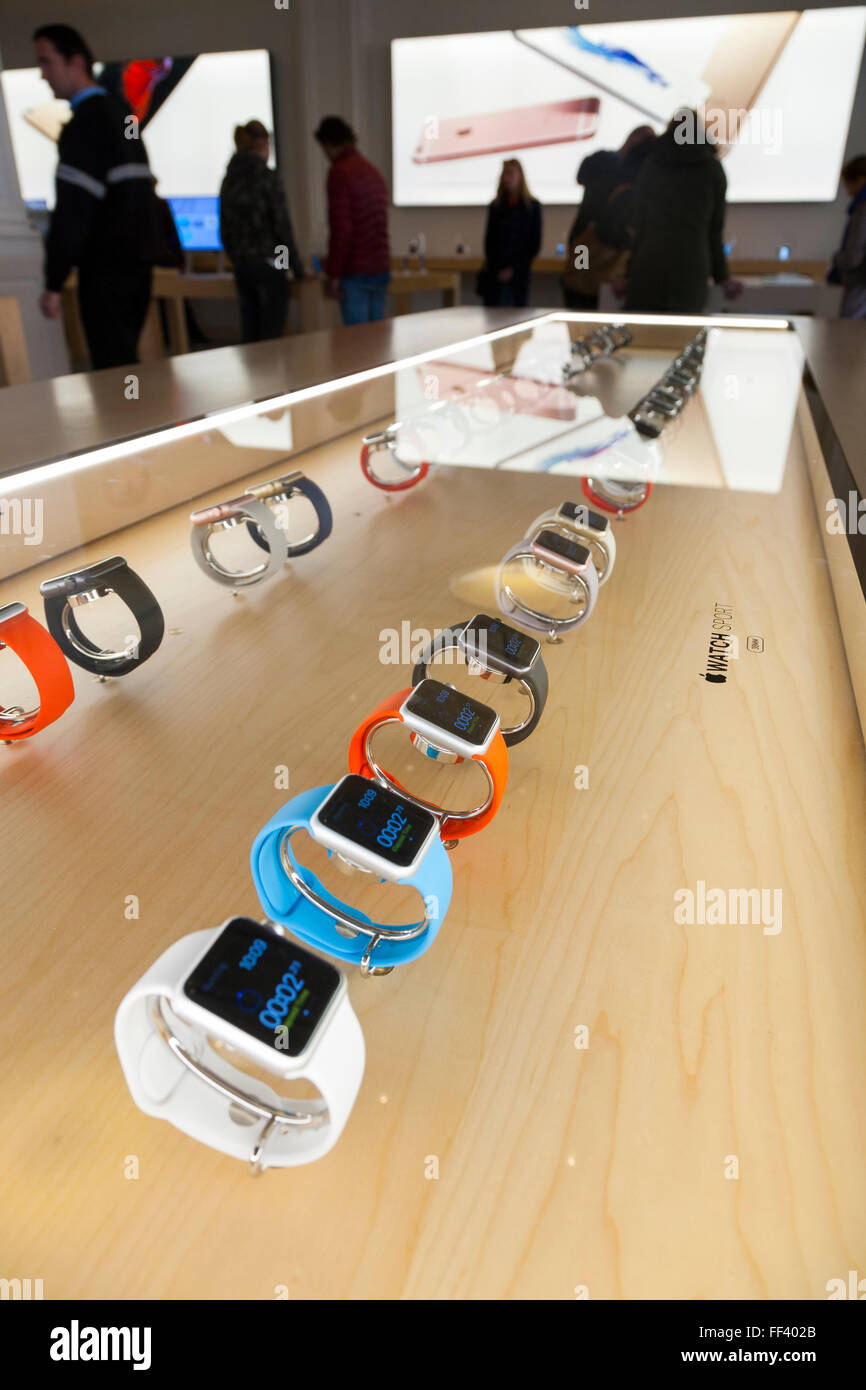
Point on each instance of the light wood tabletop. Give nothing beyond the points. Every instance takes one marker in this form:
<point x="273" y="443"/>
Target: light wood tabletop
<point x="573" y="1093"/>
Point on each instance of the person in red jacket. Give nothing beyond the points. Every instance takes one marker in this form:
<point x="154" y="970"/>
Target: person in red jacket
<point x="358" y="266"/>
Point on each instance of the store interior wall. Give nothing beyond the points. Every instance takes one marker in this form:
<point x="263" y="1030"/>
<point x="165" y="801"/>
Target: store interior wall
<point x="334" y="56"/>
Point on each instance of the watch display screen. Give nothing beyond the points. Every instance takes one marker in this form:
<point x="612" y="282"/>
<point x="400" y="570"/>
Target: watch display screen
<point x="452" y="712"/>
<point x="377" y="819"/>
<point x="580" y="513"/>
<point x="492" y="642"/>
<point x="265" y="985"/>
<point x="561" y="545"/>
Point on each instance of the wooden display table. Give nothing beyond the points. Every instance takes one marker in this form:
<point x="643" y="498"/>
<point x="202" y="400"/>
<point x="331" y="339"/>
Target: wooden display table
<point x="574" y="1093"/>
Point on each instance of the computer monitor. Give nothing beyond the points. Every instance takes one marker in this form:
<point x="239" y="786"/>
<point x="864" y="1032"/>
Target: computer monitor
<point x="198" y="223"/>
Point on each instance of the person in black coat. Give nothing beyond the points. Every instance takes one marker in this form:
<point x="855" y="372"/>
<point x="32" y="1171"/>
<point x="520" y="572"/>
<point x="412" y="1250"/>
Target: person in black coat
<point x="511" y="240"/>
<point x="607" y="178"/>
<point x="678" y="217"/>
<point x="256" y="230"/>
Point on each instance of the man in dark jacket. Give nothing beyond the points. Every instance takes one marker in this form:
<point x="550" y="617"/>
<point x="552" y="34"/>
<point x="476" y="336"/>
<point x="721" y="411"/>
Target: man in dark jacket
<point x="678" y="217"/>
<point x="256" y="232"/>
<point x="104" y="217"/>
<point x="849" y="262"/>
<point x="358" y="266"/>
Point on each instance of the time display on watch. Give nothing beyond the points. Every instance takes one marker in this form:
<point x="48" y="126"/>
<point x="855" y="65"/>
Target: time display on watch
<point x="376" y="819"/>
<point x="452" y="712"/>
<point x="570" y="550"/>
<point x="581" y="515"/>
<point x="495" y="644"/>
<point x="268" y="987"/>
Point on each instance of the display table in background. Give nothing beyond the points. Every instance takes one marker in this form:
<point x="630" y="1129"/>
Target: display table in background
<point x="785" y="292"/>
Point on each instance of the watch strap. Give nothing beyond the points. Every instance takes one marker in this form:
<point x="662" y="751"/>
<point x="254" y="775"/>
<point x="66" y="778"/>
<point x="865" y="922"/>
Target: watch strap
<point x="307" y="488"/>
<point x="260" y="514"/>
<point x="143" y="605"/>
<point x="535" y="683"/>
<point x="163" y="1086"/>
<point x="536" y="621"/>
<point x="612" y="508"/>
<point x="42" y="656"/>
<point x="495" y="759"/>
<point x="284" y="903"/>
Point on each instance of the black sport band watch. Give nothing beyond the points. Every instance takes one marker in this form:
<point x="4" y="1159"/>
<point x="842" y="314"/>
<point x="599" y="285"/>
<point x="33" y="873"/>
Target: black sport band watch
<point x="492" y="648"/>
<point x="70" y="591"/>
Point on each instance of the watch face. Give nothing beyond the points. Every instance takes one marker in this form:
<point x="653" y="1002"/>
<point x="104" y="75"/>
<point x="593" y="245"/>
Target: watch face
<point x="377" y="821"/>
<point x="268" y="987"/>
<point x="452" y="712"/>
<point x="572" y="551"/>
<point x="502" y="648"/>
<point x="582" y="515"/>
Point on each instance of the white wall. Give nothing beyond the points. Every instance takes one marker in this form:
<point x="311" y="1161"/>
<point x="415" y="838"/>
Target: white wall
<point x="334" y="56"/>
<point x="21" y="270"/>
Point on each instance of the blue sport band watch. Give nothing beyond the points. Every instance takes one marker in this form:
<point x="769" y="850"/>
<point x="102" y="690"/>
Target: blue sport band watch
<point x="369" y="827"/>
<point x="279" y="493"/>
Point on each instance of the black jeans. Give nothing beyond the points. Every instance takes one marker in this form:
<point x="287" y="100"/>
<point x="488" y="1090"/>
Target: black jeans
<point x="263" y="292"/>
<point x="507" y="294"/>
<point x="113" y="302"/>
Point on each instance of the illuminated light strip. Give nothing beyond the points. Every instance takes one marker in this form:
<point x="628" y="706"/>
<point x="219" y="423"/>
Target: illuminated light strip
<point x="126" y="448"/>
<point x="687" y="320"/>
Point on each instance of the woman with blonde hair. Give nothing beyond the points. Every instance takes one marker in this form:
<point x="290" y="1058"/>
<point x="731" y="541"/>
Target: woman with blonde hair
<point x="256" y="233"/>
<point x="511" y="240"/>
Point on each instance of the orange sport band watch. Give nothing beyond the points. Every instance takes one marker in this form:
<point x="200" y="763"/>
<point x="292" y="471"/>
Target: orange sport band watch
<point x="46" y="663"/>
<point x="448" y="726"/>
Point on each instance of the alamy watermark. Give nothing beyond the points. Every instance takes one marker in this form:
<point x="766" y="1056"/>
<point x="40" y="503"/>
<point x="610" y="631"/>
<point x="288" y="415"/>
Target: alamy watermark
<point x="762" y="126"/>
<point x="22" y="516"/>
<point x="407" y="646"/>
<point x="846" y="518"/>
<point x="719" y="907"/>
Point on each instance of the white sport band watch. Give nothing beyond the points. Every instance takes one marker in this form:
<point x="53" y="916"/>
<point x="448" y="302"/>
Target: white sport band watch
<point x="292" y="1018"/>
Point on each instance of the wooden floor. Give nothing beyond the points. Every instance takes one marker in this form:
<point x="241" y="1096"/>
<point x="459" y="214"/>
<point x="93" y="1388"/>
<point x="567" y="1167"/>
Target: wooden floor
<point x="707" y="1141"/>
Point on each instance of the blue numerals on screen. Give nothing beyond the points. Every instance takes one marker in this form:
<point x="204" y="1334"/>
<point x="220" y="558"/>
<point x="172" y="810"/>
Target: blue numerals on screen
<point x="389" y="832"/>
<point x="283" y="997"/>
<point x="512" y="646"/>
<point x="257" y="949"/>
<point x="367" y="799"/>
<point x="464" y="718"/>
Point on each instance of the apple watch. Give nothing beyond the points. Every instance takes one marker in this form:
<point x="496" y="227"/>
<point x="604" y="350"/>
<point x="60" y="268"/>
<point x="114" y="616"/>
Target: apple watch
<point x="279" y="493"/>
<point x="665" y="399"/>
<point x="88" y="585"/>
<point x="494" y="652"/>
<point x="386" y="440"/>
<point x="448" y="726"/>
<point x="567" y="558"/>
<point x="370" y="829"/>
<point x="27" y="638"/>
<point x="237" y="511"/>
<point x="683" y="379"/>
<point x="591" y="527"/>
<point x="235" y="994"/>
<point x="607" y="339"/>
